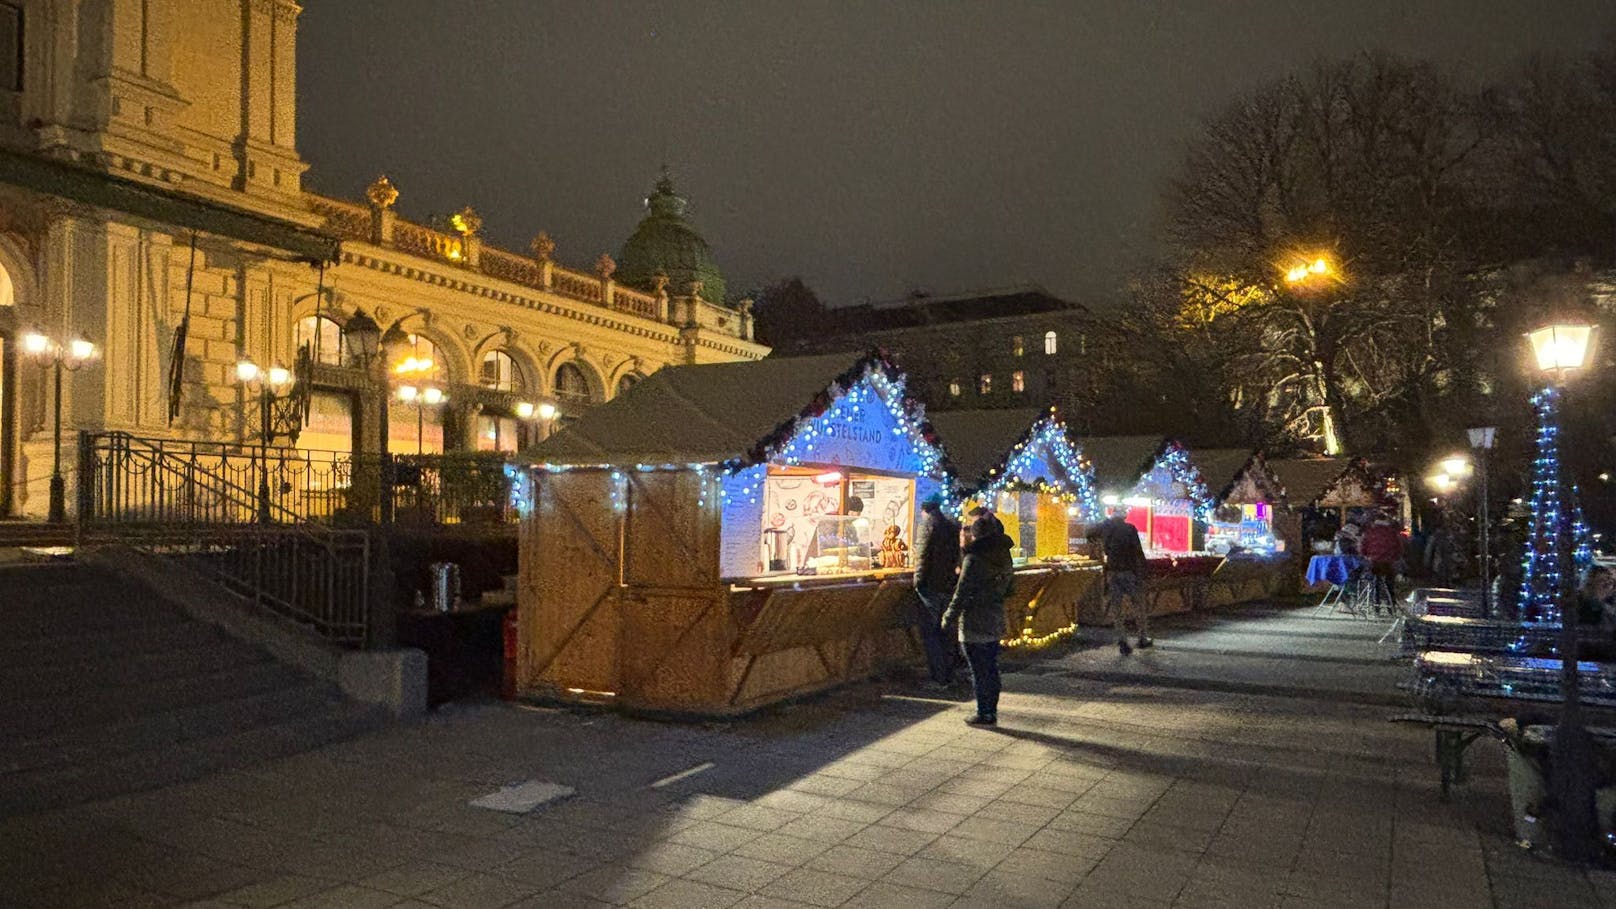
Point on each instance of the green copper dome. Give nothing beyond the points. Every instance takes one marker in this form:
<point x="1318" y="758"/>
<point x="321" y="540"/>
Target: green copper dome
<point x="665" y="242"/>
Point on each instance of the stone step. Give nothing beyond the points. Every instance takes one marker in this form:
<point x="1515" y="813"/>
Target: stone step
<point x="163" y="729"/>
<point x="111" y="775"/>
<point x="77" y="708"/>
<point x="72" y="671"/>
<point x="28" y="655"/>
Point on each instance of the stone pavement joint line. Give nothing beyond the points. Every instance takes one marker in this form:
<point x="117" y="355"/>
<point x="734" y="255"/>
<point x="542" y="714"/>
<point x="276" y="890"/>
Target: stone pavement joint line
<point x="1092" y="793"/>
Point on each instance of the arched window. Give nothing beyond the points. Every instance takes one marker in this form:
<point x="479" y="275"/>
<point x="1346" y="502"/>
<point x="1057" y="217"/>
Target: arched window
<point x="954" y="389"/>
<point x="1051" y="344"/>
<point x="324" y="338"/>
<point x="627" y="382"/>
<point x="418" y="359"/>
<point x="571" y="385"/>
<point x="500" y="372"/>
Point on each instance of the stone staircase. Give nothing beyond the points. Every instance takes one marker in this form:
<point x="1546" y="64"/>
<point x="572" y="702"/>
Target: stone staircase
<point x="16" y="534"/>
<point x="110" y="689"/>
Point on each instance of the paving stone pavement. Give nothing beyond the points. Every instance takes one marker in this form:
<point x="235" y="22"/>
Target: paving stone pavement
<point x="1096" y="792"/>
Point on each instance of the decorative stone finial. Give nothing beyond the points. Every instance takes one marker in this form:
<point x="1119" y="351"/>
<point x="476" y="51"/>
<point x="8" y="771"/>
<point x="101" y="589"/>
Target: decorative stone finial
<point x="382" y="193"/>
<point x="542" y="246"/>
<point x="466" y="222"/>
<point x="696" y="288"/>
<point x="659" y="282"/>
<point x="605" y="265"/>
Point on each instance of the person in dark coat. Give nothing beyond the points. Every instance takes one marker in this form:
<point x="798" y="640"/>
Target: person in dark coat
<point x="1124" y="577"/>
<point x="937" y="561"/>
<point x="978" y="606"/>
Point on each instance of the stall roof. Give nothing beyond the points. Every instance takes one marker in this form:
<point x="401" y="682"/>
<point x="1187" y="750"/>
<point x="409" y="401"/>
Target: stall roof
<point x="1119" y="461"/>
<point x="1305" y="479"/>
<point x="696" y="414"/>
<point x="1220" y="467"/>
<point x="979" y="440"/>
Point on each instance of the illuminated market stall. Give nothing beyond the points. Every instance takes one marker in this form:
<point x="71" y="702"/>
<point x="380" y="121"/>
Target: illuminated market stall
<point x="725" y="536"/>
<point x="1322" y="493"/>
<point x="1245" y="494"/>
<point x="1024" y="466"/>
<point x="1156" y="480"/>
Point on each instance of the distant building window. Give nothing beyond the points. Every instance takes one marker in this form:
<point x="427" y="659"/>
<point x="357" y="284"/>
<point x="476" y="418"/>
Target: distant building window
<point x="1018" y="381"/>
<point x="500" y="372"/>
<point x="954" y="389"/>
<point x="571" y="385"/>
<point x="984" y="385"/>
<point x="1082" y="344"/>
<point x="323" y="337"/>
<point x="10" y="47"/>
<point x="1051" y="344"/>
<point x="1018" y="346"/>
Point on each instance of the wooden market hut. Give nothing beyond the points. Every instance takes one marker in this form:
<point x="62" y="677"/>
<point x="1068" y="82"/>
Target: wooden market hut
<point x="1245" y="495"/>
<point x="1024" y="466"/>
<point x="1158" y="483"/>
<point x="721" y="537"/>
<point x="1323" y="492"/>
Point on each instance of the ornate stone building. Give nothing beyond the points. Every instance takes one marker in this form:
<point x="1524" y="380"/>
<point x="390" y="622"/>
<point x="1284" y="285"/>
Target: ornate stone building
<point x="150" y="178"/>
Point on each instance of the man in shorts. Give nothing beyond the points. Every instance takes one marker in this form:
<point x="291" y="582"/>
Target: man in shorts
<point x="1124" y="578"/>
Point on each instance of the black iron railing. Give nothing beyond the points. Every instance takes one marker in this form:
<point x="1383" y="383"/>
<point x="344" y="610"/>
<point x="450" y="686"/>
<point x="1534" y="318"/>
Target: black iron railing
<point x="131" y="479"/>
<point x="313" y="576"/>
<point x="457" y="488"/>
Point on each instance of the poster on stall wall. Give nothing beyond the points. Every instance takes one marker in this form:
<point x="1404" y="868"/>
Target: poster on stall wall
<point x="793" y="505"/>
<point x="888" y="502"/>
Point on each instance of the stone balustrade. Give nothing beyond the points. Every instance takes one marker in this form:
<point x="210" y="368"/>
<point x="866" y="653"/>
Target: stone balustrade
<point x="378" y="224"/>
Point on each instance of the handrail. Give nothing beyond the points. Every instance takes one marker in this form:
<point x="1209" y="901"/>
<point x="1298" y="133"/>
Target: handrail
<point x="131" y="480"/>
<point x="313" y="576"/>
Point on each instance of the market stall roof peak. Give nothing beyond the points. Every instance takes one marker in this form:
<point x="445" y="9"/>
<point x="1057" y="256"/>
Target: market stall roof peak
<point x="1221" y="467"/>
<point x="1119" y="461"/>
<point x="705" y="414"/>
<point x="978" y="441"/>
<point x="1306" y="479"/>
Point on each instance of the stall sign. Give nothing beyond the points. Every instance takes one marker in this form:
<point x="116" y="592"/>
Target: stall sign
<point x="855" y="433"/>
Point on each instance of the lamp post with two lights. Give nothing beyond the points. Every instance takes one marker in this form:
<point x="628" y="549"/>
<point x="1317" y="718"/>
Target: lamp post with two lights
<point x="52" y="355"/>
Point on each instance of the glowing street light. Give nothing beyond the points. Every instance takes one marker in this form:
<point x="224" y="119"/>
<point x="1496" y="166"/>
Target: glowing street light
<point x="1306" y="271"/>
<point x="1561" y="346"/>
<point x="49" y="354"/>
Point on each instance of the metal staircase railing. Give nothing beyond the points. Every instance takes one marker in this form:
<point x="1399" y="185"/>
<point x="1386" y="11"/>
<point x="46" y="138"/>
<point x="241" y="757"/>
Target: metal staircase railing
<point x="128" y="478"/>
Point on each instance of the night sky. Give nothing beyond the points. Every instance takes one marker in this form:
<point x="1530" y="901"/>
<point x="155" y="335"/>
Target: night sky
<point x="872" y="148"/>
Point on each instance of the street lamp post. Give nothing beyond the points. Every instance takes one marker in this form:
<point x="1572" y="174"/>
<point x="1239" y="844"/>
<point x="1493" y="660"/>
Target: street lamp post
<point x="271" y="385"/>
<point x="1558" y="349"/>
<point x="1481" y="440"/>
<point x="422" y="398"/>
<point x="58" y="357"/>
<point x="543" y="413"/>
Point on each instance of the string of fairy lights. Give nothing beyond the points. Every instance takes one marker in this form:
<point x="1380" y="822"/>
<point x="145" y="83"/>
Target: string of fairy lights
<point x="1553" y="511"/>
<point x="1048" y="438"/>
<point x="1181" y="470"/>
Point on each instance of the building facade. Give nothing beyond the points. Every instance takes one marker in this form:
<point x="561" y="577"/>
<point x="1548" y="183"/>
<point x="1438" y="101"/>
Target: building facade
<point x="1016" y="348"/>
<point x="151" y="187"/>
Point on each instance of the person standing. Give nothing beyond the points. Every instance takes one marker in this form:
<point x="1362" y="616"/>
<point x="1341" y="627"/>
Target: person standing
<point x="1124" y="578"/>
<point x="937" y="561"/>
<point x="978" y="606"/>
<point x="1383" y="546"/>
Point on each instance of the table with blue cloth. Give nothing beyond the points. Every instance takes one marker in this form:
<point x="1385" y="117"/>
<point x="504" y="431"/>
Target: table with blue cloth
<point x="1335" y="570"/>
<point x="1344" y="574"/>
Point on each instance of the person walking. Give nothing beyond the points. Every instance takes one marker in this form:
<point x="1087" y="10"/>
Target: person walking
<point x="1124" y="578"/>
<point x="1383" y="546"/>
<point x="937" y="562"/>
<point x="978" y="607"/>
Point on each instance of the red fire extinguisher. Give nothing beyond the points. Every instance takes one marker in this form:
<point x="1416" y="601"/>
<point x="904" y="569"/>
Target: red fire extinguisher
<point x="507" y="688"/>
